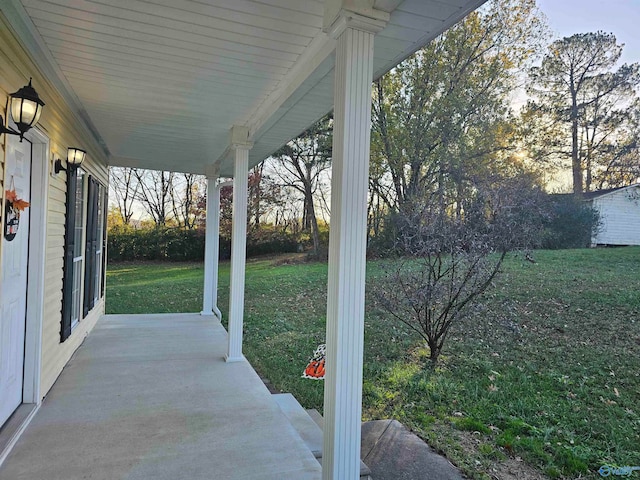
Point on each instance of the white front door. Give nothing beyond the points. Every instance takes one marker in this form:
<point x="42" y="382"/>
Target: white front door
<point x="13" y="281"/>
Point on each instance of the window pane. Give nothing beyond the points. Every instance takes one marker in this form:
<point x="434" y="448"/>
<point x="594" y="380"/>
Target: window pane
<point x="100" y="226"/>
<point x="100" y="217"/>
<point x="76" y="294"/>
<point x="79" y="224"/>
<point x="74" y="261"/>
<point x="98" y="278"/>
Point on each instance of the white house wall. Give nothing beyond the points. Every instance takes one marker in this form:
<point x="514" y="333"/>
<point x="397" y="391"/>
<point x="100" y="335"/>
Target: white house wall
<point x="620" y="217"/>
<point x="63" y="130"/>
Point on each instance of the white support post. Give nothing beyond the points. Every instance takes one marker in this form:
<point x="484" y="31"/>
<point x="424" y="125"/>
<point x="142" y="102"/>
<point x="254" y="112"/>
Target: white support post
<point x="238" y="241"/>
<point x="347" y="244"/>
<point x="211" y="250"/>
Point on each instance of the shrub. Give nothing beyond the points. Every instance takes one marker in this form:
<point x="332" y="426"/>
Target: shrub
<point x="571" y="223"/>
<point x="447" y="262"/>
<point x="157" y="243"/>
<point x="268" y="240"/>
<point x="176" y="244"/>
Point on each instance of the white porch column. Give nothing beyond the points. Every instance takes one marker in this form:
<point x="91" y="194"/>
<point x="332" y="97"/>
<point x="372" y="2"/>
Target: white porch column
<point x="347" y="243"/>
<point x="212" y="249"/>
<point x="240" y="146"/>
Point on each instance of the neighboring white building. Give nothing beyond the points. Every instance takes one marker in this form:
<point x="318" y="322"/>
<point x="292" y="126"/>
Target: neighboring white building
<point x="619" y="210"/>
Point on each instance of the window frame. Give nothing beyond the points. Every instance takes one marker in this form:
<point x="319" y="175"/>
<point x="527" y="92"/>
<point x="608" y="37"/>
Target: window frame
<point x="95" y="226"/>
<point x="82" y="289"/>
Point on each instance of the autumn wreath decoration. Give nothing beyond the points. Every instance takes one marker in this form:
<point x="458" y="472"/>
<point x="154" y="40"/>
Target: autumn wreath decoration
<point x="12" y="208"/>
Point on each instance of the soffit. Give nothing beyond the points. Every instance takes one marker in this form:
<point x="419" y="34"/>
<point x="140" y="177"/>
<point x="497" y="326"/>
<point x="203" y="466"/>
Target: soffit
<point x="160" y="82"/>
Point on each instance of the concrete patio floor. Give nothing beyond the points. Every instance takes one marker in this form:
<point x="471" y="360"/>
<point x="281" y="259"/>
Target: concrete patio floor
<point x="151" y="397"/>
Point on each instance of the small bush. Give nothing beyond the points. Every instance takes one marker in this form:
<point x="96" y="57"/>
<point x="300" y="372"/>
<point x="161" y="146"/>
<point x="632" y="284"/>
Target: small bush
<point x="571" y="223"/>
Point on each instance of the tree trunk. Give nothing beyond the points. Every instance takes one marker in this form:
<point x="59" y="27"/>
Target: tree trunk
<point x="576" y="166"/>
<point x="315" y="235"/>
<point x="434" y="353"/>
<point x="587" y="185"/>
<point x="310" y="218"/>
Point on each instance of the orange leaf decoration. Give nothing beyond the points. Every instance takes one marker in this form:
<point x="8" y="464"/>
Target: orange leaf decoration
<point x="20" y="204"/>
<point x="11" y="195"/>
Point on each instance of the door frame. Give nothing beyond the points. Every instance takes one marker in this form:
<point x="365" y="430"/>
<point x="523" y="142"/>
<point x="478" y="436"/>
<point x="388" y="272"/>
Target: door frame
<point x="34" y="318"/>
<point x="40" y="168"/>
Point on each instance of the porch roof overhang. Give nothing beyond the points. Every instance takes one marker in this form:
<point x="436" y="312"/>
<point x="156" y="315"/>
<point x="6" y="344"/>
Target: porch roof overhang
<point x="160" y="83"/>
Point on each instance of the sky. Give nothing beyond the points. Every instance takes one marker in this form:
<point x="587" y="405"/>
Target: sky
<point x="620" y="17"/>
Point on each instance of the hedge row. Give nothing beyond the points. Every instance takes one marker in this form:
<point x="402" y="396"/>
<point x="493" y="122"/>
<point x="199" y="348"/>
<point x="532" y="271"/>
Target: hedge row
<point x="177" y="244"/>
<point x="570" y="223"/>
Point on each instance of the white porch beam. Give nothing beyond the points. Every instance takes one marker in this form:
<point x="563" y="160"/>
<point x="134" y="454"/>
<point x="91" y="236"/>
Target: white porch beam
<point x="240" y="146"/>
<point x="387" y="5"/>
<point x="130" y="162"/>
<point x="212" y="250"/>
<point x="357" y="13"/>
<point x="310" y="68"/>
<point x="347" y="241"/>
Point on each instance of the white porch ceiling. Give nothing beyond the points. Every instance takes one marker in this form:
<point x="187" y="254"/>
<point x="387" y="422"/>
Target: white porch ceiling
<point x="161" y="82"/>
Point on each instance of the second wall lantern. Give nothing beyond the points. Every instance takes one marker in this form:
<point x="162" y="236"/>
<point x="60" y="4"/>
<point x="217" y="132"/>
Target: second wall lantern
<point x="75" y="157"/>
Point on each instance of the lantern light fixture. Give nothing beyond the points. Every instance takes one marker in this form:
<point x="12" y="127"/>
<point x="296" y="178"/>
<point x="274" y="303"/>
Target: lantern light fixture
<point x="25" y="107"/>
<point x="75" y="157"/>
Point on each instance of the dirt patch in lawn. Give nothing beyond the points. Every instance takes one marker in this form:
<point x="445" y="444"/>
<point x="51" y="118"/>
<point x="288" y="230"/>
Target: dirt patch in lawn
<point x="515" y="469"/>
<point x="509" y="468"/>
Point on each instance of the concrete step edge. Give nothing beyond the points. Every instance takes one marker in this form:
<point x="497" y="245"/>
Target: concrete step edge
<point x="307" y="429"/>
<point x="309" y="424"/>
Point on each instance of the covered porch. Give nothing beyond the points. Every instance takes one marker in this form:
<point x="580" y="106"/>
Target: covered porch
<point x="151" y="397"/>
<point x="213" y="88"/>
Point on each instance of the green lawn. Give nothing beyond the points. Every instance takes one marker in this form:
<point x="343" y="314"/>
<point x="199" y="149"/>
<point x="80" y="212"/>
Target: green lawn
<point x="548" y="371"/>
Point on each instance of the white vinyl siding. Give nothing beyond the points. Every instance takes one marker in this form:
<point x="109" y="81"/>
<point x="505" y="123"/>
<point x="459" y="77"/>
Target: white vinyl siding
<point x="63" y="129"/>
<point x="619" y="216"/>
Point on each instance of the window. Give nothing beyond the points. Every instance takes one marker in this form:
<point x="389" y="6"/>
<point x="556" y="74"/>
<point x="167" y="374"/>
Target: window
<point x="101" y="249"/>
<point x="93" y="245"/>
<point x="78" y="259"/>
<point x="84" y="249"/>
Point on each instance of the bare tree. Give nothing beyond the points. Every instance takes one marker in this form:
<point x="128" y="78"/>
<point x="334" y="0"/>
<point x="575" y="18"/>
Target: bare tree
<point x="255" y="202"/>
<point x="448" y="261"/>
<point x="265" y="196"/>
<point x="300" y="166"/>
<point x="154" y="193"/>
<point x="184" y="197"/>
<point x="124" y="188"/>
<point x="287" y="212"/>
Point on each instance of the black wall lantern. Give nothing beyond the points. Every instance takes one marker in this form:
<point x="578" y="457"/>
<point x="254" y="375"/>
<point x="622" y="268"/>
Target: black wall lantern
<point x="75" y="157"/>
<point x="25" y="106"/>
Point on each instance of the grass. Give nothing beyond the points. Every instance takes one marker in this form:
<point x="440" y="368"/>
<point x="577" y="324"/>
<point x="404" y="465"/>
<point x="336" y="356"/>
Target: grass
<point x="548" y="370"/>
